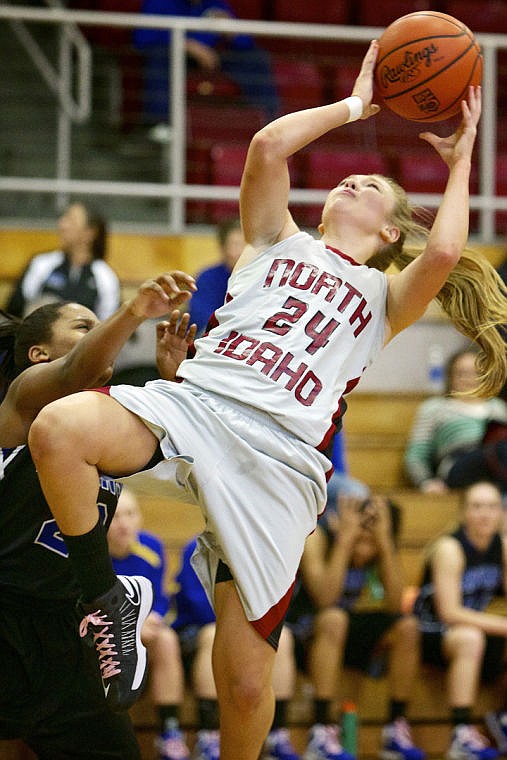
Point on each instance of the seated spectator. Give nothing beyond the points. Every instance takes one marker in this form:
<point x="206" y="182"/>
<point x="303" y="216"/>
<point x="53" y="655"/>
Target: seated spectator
<point x="237" y="55"/>
<point x="346" y="611"/>
<point x="447" y="447"/>
<point x="76" y="271"/>
<point x="212" y="282"/>
<point x="136" y="552"/>
<point x="464" y="571"/>
<point x="195" y="625"/>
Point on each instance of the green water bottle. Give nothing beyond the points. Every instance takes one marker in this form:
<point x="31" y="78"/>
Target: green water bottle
<point x="349" y="728"/>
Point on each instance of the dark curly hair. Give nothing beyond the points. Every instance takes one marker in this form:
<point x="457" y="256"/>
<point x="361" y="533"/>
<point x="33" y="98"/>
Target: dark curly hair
<point x="17" y="336"/>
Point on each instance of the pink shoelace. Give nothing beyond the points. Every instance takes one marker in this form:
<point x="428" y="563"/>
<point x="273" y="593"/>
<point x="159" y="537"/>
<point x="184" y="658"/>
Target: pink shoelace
<point x="102" y="641"/>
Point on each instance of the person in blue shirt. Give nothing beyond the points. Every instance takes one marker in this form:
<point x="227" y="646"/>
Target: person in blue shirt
<point x="195" y="626"/>
<point x="212" y="282"/>
<point x="236" y="55"/>
<point x="135" y="551"/>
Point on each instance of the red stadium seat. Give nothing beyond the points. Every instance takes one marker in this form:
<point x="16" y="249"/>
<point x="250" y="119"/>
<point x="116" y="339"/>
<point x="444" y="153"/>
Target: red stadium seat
<point x="302" y="11"/>
<point x="373" y="13"/>
<point x="488" y="16"/>
<point x="344" y="77"/>
<point x="300" y="84"/>
<point x="423" y="171"/>
<point x="202" y="86"/>
<point x="208" y="123"/>
<point x="253" y="9"/>
<point x="198" y="173"/>
<point x="227" y="161"/>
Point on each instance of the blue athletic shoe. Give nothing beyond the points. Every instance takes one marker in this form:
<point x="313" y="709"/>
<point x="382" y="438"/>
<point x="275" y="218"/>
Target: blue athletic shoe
<point x="171" y="745"/>
<point x="468" y="744"/>
<point x="324" y="744"/>
<point x="397" y="742"/>
<point x="278" y="746"/>
<point x="207" y="746"/>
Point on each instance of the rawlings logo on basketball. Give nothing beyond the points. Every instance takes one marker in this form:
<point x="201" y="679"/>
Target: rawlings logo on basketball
<point x="409" y="68"/>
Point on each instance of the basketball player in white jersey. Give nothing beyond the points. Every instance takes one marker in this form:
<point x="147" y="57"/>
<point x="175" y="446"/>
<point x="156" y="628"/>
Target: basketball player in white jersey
<point x="244" y="431"/>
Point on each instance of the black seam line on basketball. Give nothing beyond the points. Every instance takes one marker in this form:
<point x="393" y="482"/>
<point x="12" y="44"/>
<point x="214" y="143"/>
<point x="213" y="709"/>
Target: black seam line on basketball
<point x="459" y="97"/>
<point x="449" y="20"/>
<point x="423" y="39"/>
<point x="420" y="84"/>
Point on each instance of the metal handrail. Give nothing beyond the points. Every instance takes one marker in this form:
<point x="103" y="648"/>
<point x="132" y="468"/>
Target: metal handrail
<point x="486" y="202"/>
<point x="77" y="110"/>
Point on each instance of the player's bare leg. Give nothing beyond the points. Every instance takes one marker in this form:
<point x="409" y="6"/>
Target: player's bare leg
<point x="243" y="666"/>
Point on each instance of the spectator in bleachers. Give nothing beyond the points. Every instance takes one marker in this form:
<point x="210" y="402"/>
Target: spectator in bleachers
<point x="135" y="551"/>
<point x="346" y="611"/>
<point x="455" y="439"/>
<point x="76" y="271"/>
<point x="463" y="573"/>
<point x="237" y="55"/>
<point x="195" y="625"/>
<point x="212" y="281"/>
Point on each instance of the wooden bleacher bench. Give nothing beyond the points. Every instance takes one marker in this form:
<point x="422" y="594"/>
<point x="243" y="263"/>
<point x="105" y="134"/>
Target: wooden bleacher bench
<point x="134" y="256"/>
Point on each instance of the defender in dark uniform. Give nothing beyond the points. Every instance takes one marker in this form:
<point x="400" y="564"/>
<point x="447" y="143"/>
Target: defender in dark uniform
<point x="463" y="573"/>
<point x="51" y="691"/>
<point x="51" y="695"/>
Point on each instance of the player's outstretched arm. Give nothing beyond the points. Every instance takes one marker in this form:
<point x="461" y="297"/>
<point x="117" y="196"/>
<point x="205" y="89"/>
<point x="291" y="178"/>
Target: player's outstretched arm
<point x="265" y="183"/>
<point x="90" y="362"/>
<point x="411" y="291"/>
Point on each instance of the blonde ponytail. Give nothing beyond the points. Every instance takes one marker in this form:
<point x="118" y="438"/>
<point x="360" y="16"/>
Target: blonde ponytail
<point x="474" y="296"/>
<point x="475" y="299"/>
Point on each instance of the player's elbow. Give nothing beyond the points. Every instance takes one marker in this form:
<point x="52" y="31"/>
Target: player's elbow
<point x="267" y="144"/>
<point x="443" y="256"/>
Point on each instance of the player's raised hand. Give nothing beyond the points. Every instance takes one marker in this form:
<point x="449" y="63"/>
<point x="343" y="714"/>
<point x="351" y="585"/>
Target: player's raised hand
<point x="363" y="86"/>
<point x="158" y="296"/>
<point x="460" y="144"/>
<point x="174" y="336"/>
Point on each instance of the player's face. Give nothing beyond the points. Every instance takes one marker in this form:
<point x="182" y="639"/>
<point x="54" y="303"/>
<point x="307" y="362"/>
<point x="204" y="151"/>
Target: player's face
<point x="365" y="549"/>
<point x="482" y="512"/>
<point x="73" y="227"/>
<point x="125" y="525"/>
<point x="74" y="322"/>
<point x="464" y="375"/>
<point x="363" y="200"/>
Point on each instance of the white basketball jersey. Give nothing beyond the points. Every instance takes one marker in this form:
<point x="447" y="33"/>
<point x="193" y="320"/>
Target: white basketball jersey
<point x="300" y="325"/>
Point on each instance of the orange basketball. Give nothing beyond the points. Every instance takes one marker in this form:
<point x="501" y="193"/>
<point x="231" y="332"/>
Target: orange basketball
<point x="425" y="64"/>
